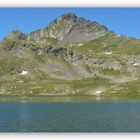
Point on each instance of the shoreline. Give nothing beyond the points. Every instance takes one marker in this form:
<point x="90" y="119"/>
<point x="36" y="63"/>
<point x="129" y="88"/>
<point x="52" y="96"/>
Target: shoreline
<point x="66" y="99"/>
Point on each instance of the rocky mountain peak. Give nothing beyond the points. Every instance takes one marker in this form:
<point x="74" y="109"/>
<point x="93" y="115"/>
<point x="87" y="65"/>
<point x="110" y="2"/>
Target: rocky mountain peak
<point x="70" y="27"/>
<point x="68" y="16"/>
<point x="66" y="30"/>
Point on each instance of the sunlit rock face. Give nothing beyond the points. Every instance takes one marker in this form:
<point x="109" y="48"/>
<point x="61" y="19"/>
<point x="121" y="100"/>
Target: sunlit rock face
<point x="67" y="28"/>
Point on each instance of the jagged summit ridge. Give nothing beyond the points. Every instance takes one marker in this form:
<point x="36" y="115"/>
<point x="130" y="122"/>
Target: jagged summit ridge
<point x="76" y="29"/>
<point x="68" y="16"/>
<point x="66" y="27"/>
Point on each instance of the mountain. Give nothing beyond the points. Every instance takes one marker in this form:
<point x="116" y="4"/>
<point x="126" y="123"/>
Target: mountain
<point x="71" y="56"/>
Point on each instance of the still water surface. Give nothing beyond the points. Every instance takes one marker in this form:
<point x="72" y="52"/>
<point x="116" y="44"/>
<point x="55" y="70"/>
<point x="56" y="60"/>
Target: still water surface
<point x="94" y="116"/>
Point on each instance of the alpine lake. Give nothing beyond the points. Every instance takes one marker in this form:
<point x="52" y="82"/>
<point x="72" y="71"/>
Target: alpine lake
<point x="69" y="114"/>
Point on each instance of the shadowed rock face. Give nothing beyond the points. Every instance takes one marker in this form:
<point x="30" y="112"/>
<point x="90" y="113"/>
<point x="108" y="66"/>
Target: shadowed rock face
<point x="51" y="51"/>
<point x="70" y="48"/>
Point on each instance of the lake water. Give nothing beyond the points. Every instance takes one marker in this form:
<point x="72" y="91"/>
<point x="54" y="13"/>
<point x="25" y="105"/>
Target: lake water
<point x="93" y="116"/>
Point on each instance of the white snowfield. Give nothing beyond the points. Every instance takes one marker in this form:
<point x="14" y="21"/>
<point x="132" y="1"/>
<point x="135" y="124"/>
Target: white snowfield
<point x="135" y="64"/>
<point x="24" y="72"/>
<point x="108" y="53"/>
<point x="98" y="92"/>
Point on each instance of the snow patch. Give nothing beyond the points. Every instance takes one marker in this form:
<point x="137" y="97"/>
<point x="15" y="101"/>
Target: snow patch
<point x="108" y="53"/>
<point x="98" y="92"/>
<point x="24" y="72"/>
<point x="135" y="64"/>
<point x="52" y="36"/>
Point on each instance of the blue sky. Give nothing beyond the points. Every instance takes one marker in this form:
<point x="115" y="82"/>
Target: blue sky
<point x="121" y="20"/>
